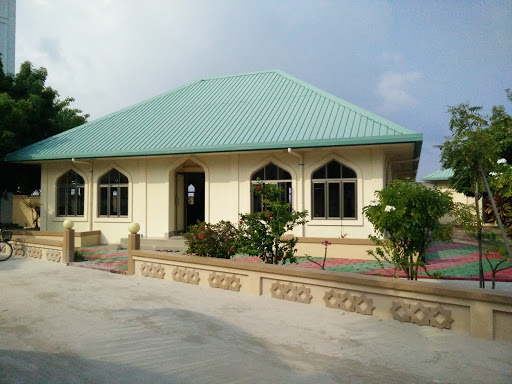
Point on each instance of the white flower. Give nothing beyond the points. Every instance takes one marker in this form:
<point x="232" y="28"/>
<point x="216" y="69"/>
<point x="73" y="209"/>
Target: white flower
<point x="389" y="208"/>
<point x="374" y="203"/>
<point x="502" y="161"/>
<point x="493" y="174"/>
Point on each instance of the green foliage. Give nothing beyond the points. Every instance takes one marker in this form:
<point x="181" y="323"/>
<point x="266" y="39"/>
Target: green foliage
<point x="261" y="233"/>
<point x="500" y="181"/>
<point x="469" y="147"/>
<point x="212" y="240"/>
<point x="30" y="111"/>
<point x="78" y="256"/>
<point x="470" y="143"/>
<point x="495" y="245"/>
<point x="477" y="141"/>
<point x="406" y="219"/>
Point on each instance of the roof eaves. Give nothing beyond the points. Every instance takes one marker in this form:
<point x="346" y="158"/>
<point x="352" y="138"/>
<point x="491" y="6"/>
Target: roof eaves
<point x="412" y="138"/>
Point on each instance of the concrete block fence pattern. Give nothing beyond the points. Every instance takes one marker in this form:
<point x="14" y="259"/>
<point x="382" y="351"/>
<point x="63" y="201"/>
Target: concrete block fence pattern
<point x="56" y="247"/>
<point x="479" y="313"/>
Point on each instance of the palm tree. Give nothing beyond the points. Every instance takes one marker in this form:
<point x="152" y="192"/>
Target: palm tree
<point x="35" y="208"/>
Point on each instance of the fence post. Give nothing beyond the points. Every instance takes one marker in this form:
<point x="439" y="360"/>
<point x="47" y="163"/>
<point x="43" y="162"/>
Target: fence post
<point x="68" y="242"/>
<point x="133" y="245"/>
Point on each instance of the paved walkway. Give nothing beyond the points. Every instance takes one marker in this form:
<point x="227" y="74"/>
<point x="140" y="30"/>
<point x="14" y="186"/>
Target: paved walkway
<point x="76" y="325"/>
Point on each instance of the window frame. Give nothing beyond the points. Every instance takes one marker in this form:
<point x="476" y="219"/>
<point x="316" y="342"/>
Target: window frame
<point x="67" y="187"/>
<point x="341" y="181"/>
<point x="288" y="185"/>
<point x="116" y="189"/>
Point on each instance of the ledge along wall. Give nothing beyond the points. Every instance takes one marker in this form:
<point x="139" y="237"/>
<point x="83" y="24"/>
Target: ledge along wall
<point x="476" y="312"/>
<point x="52" y="246"/>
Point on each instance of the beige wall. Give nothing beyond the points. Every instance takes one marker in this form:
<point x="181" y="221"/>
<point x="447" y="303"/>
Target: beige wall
<point x="21" y="215"/>
<point x="153" y="199"/>
<point x="444" y="185"/>
<point x="480" y="313"/>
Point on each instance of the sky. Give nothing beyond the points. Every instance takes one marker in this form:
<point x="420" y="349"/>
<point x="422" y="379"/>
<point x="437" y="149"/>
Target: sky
<point x="407" y="61"/>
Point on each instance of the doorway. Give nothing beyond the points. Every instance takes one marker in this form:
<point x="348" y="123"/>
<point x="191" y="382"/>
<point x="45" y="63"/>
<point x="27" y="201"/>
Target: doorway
<point x="194" y="198"/>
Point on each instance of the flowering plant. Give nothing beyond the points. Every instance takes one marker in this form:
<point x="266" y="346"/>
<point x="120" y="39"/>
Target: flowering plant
<point x="212" y="240"/>
<point x="261" y="233"/>
<point x="389" y="208"/>
<point x="325" y="243"/>
<point x="406" y="221"/>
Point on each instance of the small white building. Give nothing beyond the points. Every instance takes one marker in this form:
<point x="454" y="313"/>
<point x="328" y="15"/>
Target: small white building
<point x="194" y="152"/>
<point x="441" y="180"/>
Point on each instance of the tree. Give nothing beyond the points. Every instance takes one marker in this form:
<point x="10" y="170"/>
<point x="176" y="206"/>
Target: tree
<point x="476" y="142"/>
<point x="261" y="233"/>
<point x="30" y="111"/>
<point x="406" y="219"/>
<point x="35" y="209"/>
<point x="469" y="148"/>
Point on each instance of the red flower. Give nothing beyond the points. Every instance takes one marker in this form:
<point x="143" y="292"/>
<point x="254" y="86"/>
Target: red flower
<point x="262" y="212"/>
<point x="200" y="236"/>
<point x="258" y="188"/>
<point x="270" y="216"/>
<point x="241" y="222"/>
<point x="326" y="243"/>
<point x="231" y="249"/>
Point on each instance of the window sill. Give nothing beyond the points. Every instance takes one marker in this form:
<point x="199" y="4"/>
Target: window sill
<point x="113" y="220"/>
<point x="335" y="222"/>
<point x="76" y="219"/>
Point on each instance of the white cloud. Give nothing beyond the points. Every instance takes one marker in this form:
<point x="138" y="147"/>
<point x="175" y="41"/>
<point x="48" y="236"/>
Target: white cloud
<point x="393" y="89"/>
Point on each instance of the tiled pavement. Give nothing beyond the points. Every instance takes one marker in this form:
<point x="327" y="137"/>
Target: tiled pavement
<point x="103" y="257"/>
<point x="452" y="260"/>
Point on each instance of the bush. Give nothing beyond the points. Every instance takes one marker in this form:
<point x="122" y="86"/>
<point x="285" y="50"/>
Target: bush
<point x="212" y="240"/>
<point x="406" y="219"/>
<point x="261" y="232"/>
<point x="78" y="256"/>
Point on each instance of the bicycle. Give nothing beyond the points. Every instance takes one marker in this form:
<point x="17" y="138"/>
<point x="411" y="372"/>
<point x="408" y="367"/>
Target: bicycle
<point x="5" y="247"/>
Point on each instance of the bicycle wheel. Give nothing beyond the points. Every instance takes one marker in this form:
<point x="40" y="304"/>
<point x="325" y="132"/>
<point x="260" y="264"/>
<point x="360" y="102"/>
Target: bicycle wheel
<point x="5" y="250"/>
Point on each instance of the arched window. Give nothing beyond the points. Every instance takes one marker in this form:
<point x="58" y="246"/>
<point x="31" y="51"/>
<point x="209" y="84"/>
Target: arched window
<point x="113" y="194"/>
<point x="191" y="194"/>
<point x="70" y="194"/>
<point x="272" y="174"/>
<point x="334" y="192"/>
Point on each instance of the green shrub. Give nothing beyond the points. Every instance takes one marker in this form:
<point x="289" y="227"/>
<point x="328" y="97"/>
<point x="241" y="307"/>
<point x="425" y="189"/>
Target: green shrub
<point x="212" y="240"/>
<point x="261" y="232"/>
<point x="78" y="256"/>
<point x="406" y="218"/>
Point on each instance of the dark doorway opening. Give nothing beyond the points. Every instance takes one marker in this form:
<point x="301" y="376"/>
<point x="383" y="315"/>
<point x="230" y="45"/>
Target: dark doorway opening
<point x="194" y="198"/>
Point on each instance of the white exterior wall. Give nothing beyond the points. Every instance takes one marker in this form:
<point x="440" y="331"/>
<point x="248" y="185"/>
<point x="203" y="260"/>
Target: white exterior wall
<point x="153" y="199"/>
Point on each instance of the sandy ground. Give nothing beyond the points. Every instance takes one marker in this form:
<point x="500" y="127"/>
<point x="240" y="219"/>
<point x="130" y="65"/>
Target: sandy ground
<point x="73" y="325"/>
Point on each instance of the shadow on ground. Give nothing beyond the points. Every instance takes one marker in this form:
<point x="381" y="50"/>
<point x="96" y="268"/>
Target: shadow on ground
<point x="179" y="346"/>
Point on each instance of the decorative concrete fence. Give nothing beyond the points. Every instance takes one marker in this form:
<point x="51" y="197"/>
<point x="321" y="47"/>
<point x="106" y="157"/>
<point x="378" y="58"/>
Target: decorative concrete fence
<point x="485" y="314"/>
<point x="52" y="246"/>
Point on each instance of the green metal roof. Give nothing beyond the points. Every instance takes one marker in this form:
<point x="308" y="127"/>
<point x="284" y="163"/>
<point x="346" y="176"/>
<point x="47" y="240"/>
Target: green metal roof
<point x="441" y="175"/>
<point x="254" y="111"/>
